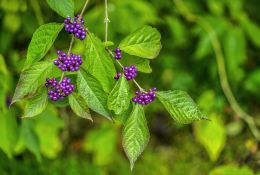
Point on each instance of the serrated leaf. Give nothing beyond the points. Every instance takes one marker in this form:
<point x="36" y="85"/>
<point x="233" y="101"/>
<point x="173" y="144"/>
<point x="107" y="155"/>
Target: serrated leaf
<point x="64" y="8"/>
<point x="205" y="130"/>
<point x="42" y="40"/>
<point x="91" y="90"/>
<point x="135" y="134"/>
<point x="37" y="104"/>
<point x="98" y="63"/>
<point x="180" y="106"/>
<point x="144" y="42"/>
<point x="119" y="98"/>
<point x="31" y="79"/>
<point x="79" y="106"/>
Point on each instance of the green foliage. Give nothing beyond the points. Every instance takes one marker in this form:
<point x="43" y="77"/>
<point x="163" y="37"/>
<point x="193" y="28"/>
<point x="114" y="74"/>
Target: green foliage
<point x="37" y="104"/>
<point x="79" y="106"/>
<point x="119" y="97"/>
<point x="31" y="79"/>
<point x="64" y="8"/>
<point x="98" y="62"/>
<point x="135" y="134"/>
<point x="91" y="90"/>
<point x="180" y="106"/>
<point x="144" y="42"/>
<point x="42" y="40"/>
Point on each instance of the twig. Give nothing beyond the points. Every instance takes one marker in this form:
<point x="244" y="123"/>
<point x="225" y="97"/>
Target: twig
<point x="106" y="21"/>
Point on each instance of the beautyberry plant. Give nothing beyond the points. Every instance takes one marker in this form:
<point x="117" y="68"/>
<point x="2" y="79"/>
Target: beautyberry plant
<point x="90" y="80"/>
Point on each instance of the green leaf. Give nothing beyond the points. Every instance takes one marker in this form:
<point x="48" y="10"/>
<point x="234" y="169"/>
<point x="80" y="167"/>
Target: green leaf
<point x="180" y="106"/>
<point x="231" y="170"/>
<point x="205" y="130"/>
<point x="64" y="8"/>
<point x="135" y="134"/>
<point x="37" y="104"/>
<point x="8" y="132"/>
<point x="98" y="63"/>
<point x="119" y="98"/>
<point x="144" y="42"/>
<point x="31" y="79"/>
<point x="91" y="90"/>
<point x="79" y="106"/>
<point x="42" y="40"/>
<point x="142" y="65"/>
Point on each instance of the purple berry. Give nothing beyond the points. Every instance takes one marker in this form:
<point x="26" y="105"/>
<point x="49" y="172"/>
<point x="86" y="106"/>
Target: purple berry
<point x="130" y="72"/>
<point x="68" y="63"/>
<point x="118" y="54"/>
<point x="117" y="76"/>
<point x="76" y="27"/>
<point x="145" y="98"/>
<point x="57" y="90"/>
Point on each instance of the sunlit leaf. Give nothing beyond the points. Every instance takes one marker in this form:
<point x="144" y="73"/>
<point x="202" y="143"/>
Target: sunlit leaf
<point x="231" y="170"/>
<point x="135" y="134"/>
<point x="144" y="42"/>
<point x="79" y="106"/>
<point x="64" y="8"/>
<point x="119" y="98"/>
<point x="31" y="79"/>
<point x="42" y="40"/>
<point x="37" y="104"/>
<point x="98" y="63"/>
<point x="180" y="106"/>
<point x="91" y="91"/>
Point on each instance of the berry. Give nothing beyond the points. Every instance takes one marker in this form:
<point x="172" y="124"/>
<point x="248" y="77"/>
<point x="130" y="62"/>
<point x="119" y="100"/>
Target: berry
<point x="68" y="63"/>
<point x="118" y="55"/>
<point x="130" y="72"/>
<point x="145" y="98"/>
<point x="76" y="27"/>
<point x="117" y="76"/>
<point x="58" y="90"/>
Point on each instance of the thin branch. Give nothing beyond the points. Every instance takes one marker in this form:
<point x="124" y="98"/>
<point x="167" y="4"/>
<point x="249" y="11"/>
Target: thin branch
<point x="221" y="66"/>
<point x="84" y="8"/>
<point x="106" y="21"/>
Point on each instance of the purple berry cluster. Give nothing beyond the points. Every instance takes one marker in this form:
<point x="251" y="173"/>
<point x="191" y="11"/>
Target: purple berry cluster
<point x="130" y="72"/>
<point x="76" y="27"/>
<point x="145" y="98"/>
<point x="117" y="76"/>
<point x="68" y="63"/>
<point x="118" y="54"/>
<point x="58" y="90"/>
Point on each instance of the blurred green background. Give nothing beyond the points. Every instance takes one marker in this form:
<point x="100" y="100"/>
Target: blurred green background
<point x="58" y="142"/>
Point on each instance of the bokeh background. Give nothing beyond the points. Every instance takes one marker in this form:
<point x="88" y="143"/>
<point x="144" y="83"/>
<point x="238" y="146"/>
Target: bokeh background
<point x="59" y="142"/>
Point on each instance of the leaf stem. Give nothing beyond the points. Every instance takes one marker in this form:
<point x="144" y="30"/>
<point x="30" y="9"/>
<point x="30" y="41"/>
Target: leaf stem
<point x="220" y="65"/>
<point x="84" y="8"/>
<point x="106" y="21"/>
